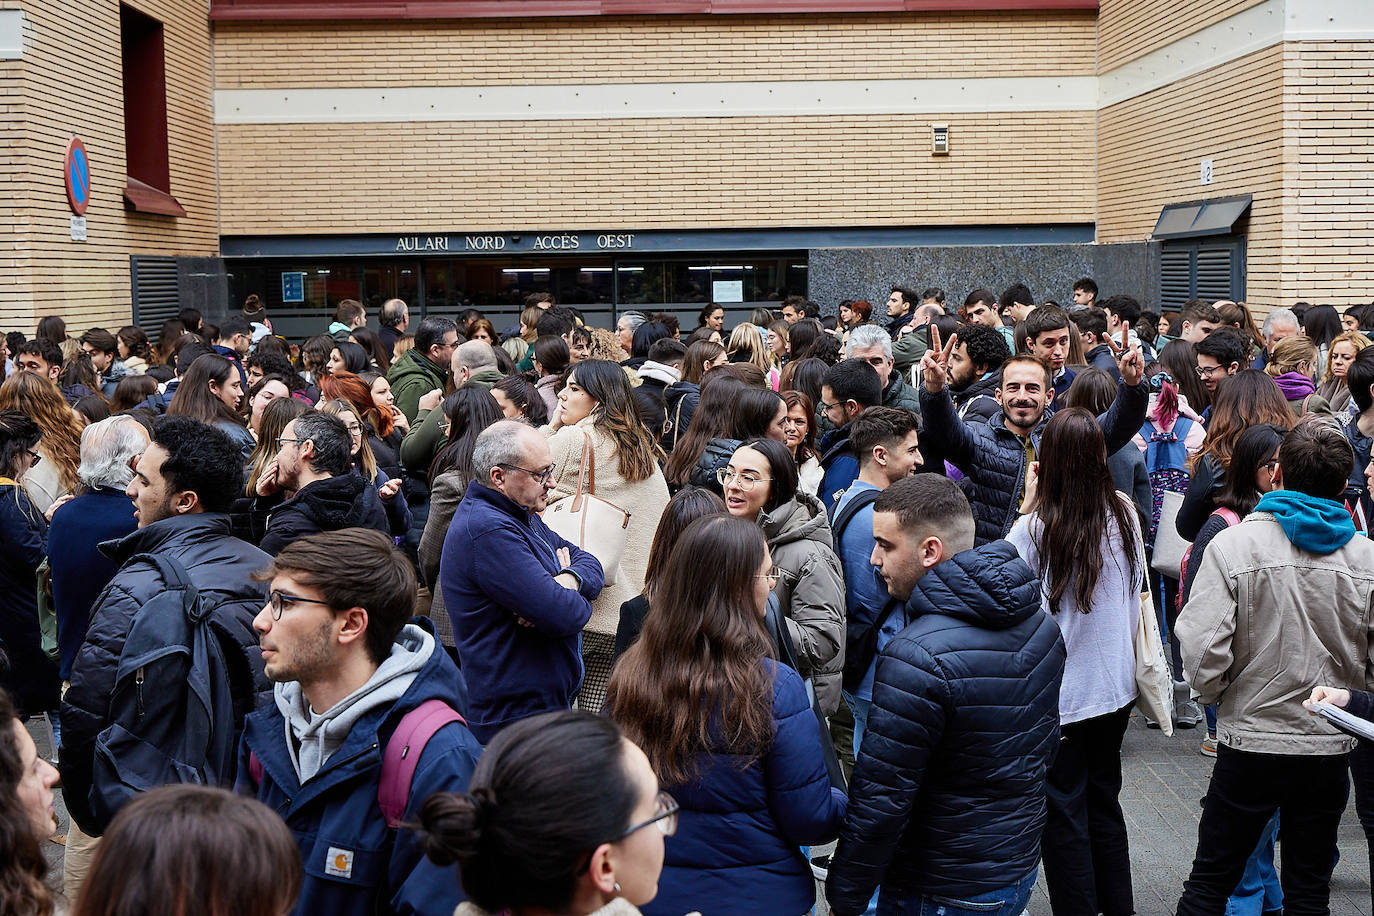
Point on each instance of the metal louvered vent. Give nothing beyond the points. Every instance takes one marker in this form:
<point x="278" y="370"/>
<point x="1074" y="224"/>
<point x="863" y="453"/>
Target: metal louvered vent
<point x="1175" y="278"/>
<point x="1210" y="269"/>
<point x="1214" y="273"/>
<point x="156" y="293"/>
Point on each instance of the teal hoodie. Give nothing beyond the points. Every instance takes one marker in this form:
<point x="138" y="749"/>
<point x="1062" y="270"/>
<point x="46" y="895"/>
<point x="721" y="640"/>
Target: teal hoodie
<point x="1312" y="523"/>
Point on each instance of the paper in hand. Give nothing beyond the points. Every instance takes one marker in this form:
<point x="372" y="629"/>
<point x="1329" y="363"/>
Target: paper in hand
<point x="1350" y="724"/>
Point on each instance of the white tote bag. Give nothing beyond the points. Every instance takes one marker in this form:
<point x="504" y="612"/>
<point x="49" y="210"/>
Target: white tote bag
<point x="1154" y="682"/>
<point x="597" y="526"/>
<point x="1169" y="544"/>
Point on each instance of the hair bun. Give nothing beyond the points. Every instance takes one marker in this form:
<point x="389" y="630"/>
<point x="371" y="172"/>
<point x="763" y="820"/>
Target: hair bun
<point x="451" y="824"/>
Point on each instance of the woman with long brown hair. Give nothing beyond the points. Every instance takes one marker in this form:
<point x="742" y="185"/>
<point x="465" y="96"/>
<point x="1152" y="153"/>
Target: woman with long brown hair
<point x="211" y="391"/>
<point x="729" y="731"/>
<point x="1083" y="540"/>
<point x="1246" y="399"/>
<point x="799" y="426"/>
<point x="59" y="449"/>
<point x="597" y="407"/>
<point x="680" y="398"/>
<point x="26" y="818"/>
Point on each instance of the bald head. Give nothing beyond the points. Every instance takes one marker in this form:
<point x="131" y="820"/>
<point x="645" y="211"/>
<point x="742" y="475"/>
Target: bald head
<point x="474" y="356"/>
<point x="512" y="458"/>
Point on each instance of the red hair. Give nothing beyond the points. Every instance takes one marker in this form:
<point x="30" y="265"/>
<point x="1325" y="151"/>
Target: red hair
<point x="348" y="387"/>
<point x="863" y="308"/>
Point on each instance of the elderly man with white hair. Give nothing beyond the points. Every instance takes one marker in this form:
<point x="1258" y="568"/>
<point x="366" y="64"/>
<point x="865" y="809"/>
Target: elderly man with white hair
<point x="873" y="345"/>
<point x="1279" y="324"/>
<point x="80" y="572"/>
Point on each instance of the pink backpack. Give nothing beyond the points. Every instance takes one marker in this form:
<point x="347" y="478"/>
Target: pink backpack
<point x="1231" y="519"/>
<point x="398" y="762"/>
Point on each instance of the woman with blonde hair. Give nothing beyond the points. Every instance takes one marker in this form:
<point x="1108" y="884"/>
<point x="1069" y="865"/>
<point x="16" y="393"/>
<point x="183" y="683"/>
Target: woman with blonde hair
<point x="747" y="345"/>
<point x="519" y="345"/>
<point x="1344" y="348"/>
<point x="1292" y="364"/>
<point x="59" y="449"/>
<point x="597" y="407"/>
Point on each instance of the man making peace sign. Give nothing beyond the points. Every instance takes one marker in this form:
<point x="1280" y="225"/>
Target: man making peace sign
<point x="995" y="455"/>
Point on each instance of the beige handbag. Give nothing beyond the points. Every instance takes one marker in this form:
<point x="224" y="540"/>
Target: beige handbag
<point x="1169" y="544"/>
<point x="597" y="526"/>
<point x="1154" y="682"/>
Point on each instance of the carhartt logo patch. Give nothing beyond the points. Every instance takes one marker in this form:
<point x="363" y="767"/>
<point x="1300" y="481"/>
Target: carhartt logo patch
<point x="339" y="862"/>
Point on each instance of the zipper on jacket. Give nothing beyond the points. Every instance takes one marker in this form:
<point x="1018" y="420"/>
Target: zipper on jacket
<point x="138" y="691"/>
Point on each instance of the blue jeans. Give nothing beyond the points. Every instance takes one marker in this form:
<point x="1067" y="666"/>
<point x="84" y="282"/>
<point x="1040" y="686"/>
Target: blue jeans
<point x="1008" y="901"/>
<point x="1259" y="890"/>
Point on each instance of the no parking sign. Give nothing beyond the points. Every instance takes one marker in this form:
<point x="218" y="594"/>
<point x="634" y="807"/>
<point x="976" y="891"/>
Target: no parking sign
<point x="78" y="176"/>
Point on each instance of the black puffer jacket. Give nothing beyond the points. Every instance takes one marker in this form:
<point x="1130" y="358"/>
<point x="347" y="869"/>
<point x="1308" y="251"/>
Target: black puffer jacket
<point x="993" y="459"/>
<point x="948" y="794"/>
<point x="220" y="566"/>
<point x="979" y="400"/>
<point x="331" y="504"/>
<point x="715" y="456"/>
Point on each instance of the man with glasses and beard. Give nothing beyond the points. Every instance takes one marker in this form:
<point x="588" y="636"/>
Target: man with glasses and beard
<point x="518" y="594"/>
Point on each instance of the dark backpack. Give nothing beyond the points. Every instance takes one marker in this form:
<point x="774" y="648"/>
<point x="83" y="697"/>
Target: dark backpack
<point x="189" y="673"/>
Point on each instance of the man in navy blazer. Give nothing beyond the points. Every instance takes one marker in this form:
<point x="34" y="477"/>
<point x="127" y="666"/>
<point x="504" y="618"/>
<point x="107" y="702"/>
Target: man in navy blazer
<point x="518" y="594"/>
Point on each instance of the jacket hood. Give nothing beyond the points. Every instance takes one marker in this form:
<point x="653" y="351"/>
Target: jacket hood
<point x="334" y="502"/>
<point x="989" y="586"/>
<point x="314" y="736"/>
<point x="678" y="390"/>
<point x="659" y="372"/>
<point x="413" y="362"/>
<point x="801" y="518"/>
<point x="1311" y="523"/>
<point x="486" y="378"/>
<point x="174" y="529"/>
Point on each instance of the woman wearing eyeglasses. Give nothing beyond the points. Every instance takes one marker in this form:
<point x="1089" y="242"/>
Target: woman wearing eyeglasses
<point x="597" y="406"/>
<point x="563" y="814"/>
<point x="729" y="731"/>
<point x="760" y="485"/>
<point x="30" y="676"/>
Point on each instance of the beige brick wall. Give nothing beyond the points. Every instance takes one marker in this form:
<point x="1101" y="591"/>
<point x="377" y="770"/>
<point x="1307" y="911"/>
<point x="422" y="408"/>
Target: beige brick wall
<point x="1150" y="148"/>
<point x="687" y="173"/>
<point x="69" y="81"/>
<point x="1128" y="29"/>
<point x="1328" y="206"/>
<point x="650" y="49"/>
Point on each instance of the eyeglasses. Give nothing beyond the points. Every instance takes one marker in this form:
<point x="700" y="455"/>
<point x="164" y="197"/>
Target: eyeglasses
<point x="773" y="575"/>
<point x="1209" y="371"/>
<point x="279" y="600"/>
<point x="1271" y="466"/>
<point x="725" y="476"/>
<point x="281" y="439"/>
<point x="665" y="816"/>
<point x="353" y="428"/>
<point x="826" y="407"/>
<point x="542" y="477"/>
<point x="35" y="456"/>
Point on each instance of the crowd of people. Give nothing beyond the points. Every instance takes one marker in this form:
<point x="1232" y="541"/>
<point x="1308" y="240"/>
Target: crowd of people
<point x="560" y="619"/>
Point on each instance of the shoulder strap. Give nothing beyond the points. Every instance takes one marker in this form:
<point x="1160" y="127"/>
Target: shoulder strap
<point x="255" y="768"/>
<point x="1229" y="514"/>
<point x="1302" y="411"/>
<point x="842" y="517"/>
<point x="403" y="753"/>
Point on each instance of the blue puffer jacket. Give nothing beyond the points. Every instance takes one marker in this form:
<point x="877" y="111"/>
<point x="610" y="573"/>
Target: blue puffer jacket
<point x="948" y="794"/>
<point x="337" y="810"/>
<point x="736" y="847"/>
<point x="993" y="459"/>
<point x="517" y="631"/>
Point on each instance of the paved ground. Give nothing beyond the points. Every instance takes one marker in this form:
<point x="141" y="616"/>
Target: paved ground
<point x="1164" y="779"/>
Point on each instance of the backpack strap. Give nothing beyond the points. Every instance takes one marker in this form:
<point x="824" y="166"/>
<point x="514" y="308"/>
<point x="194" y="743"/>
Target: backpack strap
<point x="1229" y="514"/>
<point x="255" y="768"/>
<point x="841" y="518"/>
<point x="403" y="752"/>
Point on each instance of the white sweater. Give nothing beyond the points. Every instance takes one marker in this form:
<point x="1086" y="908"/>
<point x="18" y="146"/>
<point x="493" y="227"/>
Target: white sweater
<point x="1099" y="674"/>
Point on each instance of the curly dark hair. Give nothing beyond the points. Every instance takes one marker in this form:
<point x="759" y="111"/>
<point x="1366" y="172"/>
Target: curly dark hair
<point x="986" y="346"/>
<point x="202" y="459"/>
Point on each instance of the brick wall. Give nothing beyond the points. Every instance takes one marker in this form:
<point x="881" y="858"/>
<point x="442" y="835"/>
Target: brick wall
<point x="649" y="49"/>
<point x="1328" y="206"/>
<point x="655" y="173"/>
<point x="69" y="82"/>
<point x="1150" y="148"/>
<point x="1128" y="29"/>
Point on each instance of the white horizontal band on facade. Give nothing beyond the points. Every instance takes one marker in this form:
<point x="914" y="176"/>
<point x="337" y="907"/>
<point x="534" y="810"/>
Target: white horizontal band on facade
<point x="1248" y="31"/>
<point x="654" y="100"/>
<point x="1254" y="29"/>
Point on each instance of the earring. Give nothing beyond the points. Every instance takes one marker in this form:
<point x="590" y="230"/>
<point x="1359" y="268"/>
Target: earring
<point x="617" y="887"/>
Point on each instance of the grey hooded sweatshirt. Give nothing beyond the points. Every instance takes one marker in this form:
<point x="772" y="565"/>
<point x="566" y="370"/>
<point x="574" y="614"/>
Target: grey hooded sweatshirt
<point x="312" y="737"/>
